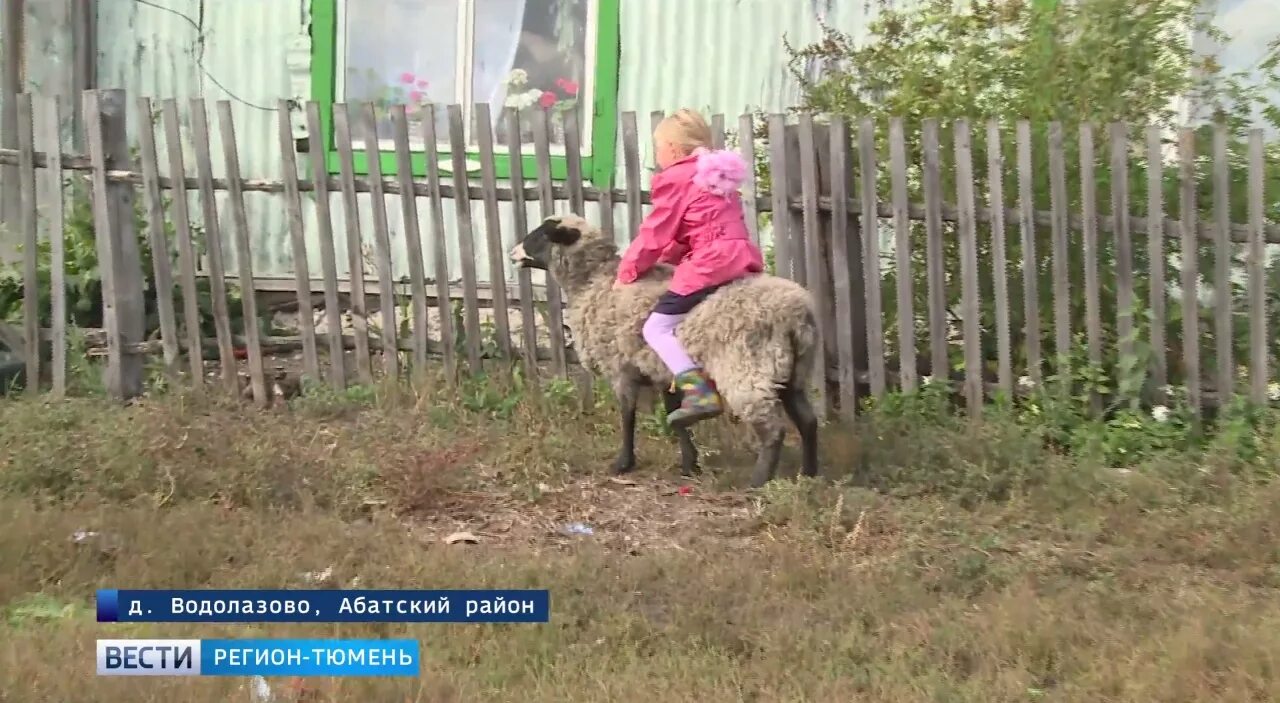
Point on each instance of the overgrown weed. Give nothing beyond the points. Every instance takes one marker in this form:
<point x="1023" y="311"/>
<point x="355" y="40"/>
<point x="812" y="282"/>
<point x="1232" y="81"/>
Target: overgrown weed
<point x="938" y="557"/>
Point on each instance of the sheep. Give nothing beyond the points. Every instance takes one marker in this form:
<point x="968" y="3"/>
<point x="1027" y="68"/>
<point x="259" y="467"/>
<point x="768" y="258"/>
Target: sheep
<point x="756" y="338"/>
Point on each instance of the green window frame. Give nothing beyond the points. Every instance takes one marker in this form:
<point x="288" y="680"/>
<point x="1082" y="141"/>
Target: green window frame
<point x="597" y="163"/>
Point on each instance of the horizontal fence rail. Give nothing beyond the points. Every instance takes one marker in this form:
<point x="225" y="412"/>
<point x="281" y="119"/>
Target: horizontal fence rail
<point x="994" y="257"/>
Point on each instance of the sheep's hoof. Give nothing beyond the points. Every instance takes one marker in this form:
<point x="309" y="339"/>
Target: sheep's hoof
<point x="760" y="478"/>
<point x="624" y="464"/>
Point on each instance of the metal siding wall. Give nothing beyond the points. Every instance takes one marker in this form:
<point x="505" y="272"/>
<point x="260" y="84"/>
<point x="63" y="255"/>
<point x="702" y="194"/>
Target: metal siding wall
<point x="718" y="56"/>
<point x="242" y="44"/>
<point x="728" y="57"/>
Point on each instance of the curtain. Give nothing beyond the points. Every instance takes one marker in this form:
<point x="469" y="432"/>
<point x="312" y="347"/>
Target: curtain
<point x="497" y="39"/>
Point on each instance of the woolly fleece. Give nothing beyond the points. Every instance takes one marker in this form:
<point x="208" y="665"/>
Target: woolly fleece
<point x="753" y="337"/>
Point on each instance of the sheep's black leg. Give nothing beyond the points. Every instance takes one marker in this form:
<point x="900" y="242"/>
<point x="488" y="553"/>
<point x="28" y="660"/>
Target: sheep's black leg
<point x="796" y="402"/>
<point x="688" y="452"/>
<point x="770" y="434"/>
<point x="626" y="460"/>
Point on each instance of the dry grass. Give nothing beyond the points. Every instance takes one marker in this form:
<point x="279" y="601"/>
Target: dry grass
<point x="957" y="564"/>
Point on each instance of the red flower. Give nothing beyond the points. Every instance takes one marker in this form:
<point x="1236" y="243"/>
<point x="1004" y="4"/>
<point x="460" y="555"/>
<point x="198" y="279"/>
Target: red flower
<point x="422" y="83"/>
<point x="686" y="490"/>
<point x="415" y="95"/>
<point x="569" y="87"/>
<point x="406" y="78"/>
<point x="547" y="99"/>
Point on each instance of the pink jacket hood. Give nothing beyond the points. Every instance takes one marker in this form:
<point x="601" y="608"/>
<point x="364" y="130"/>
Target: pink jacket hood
<point x="697" y="223"/>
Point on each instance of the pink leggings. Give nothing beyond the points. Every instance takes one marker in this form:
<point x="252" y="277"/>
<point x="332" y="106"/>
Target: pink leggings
<point x="660" y="333"/>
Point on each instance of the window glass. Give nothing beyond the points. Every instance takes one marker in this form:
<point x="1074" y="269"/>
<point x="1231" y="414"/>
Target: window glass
<point x="530" y="55"/>
<point x="526" y="54"/>
<point x="401" y="52"/>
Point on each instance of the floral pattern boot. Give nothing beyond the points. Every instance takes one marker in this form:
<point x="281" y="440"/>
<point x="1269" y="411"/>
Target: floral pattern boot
<point x="699" y="401"/>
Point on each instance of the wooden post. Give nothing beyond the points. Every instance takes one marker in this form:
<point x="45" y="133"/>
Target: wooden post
<point x="47" y="140"/>
<point x="117" y="243"/>
<point x="846" y="349"/>
<point x="10" y="85"/>
<point x="26" y="217"/>
<point x="84" y="71"/>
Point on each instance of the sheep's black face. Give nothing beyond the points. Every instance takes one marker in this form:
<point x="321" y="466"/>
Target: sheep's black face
<point x="535" y="250"/>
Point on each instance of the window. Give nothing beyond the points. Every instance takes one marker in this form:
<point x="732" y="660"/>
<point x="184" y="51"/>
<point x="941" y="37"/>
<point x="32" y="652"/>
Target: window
<point x="555" y="56"/>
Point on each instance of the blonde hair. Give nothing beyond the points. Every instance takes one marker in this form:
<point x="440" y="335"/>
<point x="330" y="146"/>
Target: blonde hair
<point x="686" y="129"/>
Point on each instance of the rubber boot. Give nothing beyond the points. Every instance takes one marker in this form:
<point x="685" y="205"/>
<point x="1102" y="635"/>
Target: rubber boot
<point x="699" y="399"/>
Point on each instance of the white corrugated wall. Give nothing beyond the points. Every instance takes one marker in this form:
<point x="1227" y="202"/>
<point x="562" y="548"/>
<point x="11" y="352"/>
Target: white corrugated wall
<point x="717" y="55"/>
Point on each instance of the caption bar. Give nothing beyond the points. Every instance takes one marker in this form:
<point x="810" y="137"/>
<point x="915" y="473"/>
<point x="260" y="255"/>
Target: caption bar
<point x="503" y="606"/>
<point x="139" y="657"/>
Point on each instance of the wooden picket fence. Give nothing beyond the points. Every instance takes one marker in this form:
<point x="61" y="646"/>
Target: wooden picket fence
<point x="817" y="238"/>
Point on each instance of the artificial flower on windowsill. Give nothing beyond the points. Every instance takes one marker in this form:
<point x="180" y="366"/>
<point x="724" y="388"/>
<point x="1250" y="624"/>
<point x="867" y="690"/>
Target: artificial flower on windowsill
<point x="556" y="103"/>
<point x="409" y="90"/>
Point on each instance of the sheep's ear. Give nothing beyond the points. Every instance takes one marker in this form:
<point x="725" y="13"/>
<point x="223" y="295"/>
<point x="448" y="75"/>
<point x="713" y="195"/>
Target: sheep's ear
<point x="561" y="234"/>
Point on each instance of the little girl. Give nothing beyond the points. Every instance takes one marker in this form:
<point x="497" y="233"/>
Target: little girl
<point x="697" y="224"/>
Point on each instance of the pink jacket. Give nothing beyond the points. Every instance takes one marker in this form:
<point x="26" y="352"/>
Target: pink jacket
<point x="697" y="224"/>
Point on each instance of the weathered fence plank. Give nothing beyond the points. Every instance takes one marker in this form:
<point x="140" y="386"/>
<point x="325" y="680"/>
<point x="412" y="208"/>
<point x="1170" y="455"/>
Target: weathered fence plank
<point x="1089" y="217"/>
<point x="157" y="238"/>
<point x="493" y="229"/>
<point x="631" y="166"/>
<point x="655" y="117"/>
<point x="841" y="283"/>
<point x="869" y="226"/>
<point x="244" y="254"/>
<point x="795" y="229"/>
<point x="1156" y="256"/>
<point x="27" y="217"/>
<point x="780" y="188"/>
<point x="213" y="242"/>
<point x="813" y="233"/>
<point x="186" y="247"/>
<point x="440" y="250"/>
<point x="999" y="261"/>
<point x="607" y="212"/>
<point x="297" y="241"/>
<point x="1190" y="268"/>
<point x="970" y="309"/>
<point x="355" y="250"/>
<point x="1257" y="270"/>
<point x="577" y="205"/>
<point x="546" y="201"/>
<point x="939" y="362"/>
<point x="907" y="376"/>
<point x="124" y="312"/>
<point x="1123" y="238"/>
<point x="747" y="148"/>
<point x="49" y="142"/>
<point x="573" y="164"/>
<point x="1223" y="322"/>
<point x="412" y="240"/>
<point x="466" y="240"/>
<point x="1060" y="234"/>
<point x="389" y="331"/>
<point x="519" y="228"/>
<point x="1030" y="262"/>
<point x="717" y="131"/>
<point x="328" y="258"/>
